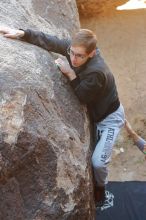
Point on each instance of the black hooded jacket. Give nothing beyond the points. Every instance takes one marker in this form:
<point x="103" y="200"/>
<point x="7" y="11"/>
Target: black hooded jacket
<point x="95" y="84"/>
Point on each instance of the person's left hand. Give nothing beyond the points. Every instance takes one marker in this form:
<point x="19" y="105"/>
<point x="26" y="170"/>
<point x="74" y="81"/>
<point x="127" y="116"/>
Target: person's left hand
<point x="65" y="68"/>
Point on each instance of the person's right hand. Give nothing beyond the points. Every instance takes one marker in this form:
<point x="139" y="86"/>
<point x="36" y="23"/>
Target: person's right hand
<point x="11" y="33"/>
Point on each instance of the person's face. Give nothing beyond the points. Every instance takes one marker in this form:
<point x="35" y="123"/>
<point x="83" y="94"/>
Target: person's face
<point x="78" y="55"/>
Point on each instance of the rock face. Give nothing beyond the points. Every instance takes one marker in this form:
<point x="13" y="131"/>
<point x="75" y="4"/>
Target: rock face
<point x="91" y="8"/>
<point x="45" y="171"/>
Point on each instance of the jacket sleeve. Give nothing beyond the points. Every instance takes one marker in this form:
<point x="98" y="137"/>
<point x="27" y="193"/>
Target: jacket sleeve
<point x="88" y="89"/>
<point x="46" y="41"/>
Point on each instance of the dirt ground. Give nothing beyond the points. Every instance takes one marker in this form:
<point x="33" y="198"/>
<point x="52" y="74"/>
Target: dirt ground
<point x="122" y="40"/>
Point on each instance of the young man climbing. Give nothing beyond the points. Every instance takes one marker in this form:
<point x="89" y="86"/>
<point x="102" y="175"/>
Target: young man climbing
<point x="94" y="85"/>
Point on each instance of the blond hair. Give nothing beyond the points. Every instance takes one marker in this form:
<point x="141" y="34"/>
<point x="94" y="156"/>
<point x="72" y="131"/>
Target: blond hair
<point x="85" y="38"/>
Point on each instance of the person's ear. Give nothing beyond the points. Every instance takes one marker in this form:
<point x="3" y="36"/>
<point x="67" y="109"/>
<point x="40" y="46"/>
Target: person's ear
<point x="92" y="53"/>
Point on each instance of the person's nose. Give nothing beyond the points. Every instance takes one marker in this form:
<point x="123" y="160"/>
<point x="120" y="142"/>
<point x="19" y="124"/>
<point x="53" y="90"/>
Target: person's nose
<point x="74" y="58"/>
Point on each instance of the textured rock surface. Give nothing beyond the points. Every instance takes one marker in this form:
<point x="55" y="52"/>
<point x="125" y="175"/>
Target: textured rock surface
<point x="91" y="8"/>
<point x="45" y="169"/>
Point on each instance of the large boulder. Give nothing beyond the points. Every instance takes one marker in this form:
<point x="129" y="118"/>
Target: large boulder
<point x="45" y="170"/>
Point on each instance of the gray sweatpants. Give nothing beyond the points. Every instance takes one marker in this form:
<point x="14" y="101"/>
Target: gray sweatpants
<point x="107" y="131"/>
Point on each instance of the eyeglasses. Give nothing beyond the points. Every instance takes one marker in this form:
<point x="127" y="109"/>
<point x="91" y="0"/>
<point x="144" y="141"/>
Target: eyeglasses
<point x="77" y="55"/>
